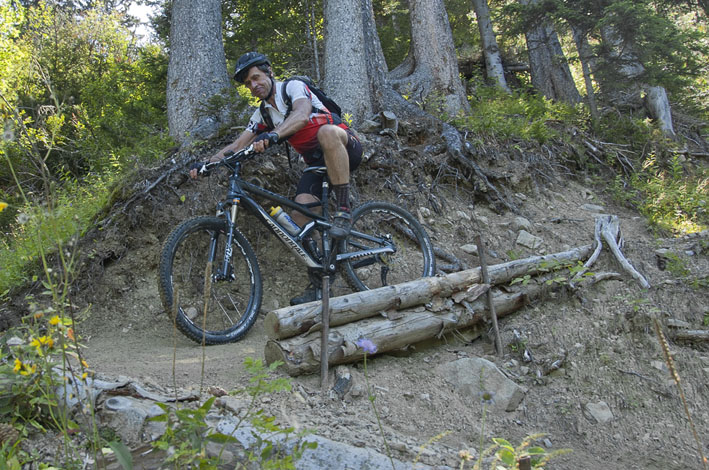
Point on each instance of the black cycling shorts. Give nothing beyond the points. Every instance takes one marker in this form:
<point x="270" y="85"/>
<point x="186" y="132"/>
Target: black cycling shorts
<point x="311" y="183"/>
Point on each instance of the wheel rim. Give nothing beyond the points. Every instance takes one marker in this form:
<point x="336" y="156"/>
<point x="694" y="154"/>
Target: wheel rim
<point x="229" y="299"/>
<point x="408" y="263"/>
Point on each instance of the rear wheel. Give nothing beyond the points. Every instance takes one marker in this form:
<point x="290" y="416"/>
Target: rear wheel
<point x="380" y="224"/>
<point x="213" y="305"/>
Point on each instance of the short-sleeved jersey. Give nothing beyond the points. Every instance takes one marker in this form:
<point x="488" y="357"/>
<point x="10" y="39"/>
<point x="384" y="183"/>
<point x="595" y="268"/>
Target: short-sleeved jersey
<point x="305" y="140"/>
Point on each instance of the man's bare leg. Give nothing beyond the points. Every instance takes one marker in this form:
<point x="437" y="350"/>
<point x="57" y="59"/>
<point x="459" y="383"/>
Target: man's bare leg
<point x="333" y="141"/>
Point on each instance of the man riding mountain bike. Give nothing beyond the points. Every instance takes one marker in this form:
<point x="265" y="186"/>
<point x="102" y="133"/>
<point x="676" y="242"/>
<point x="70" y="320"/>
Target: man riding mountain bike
<point x="291" y="112"/>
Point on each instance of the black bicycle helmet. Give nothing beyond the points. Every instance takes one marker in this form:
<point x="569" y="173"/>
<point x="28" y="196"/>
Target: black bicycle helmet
<point x="247" y="61"/>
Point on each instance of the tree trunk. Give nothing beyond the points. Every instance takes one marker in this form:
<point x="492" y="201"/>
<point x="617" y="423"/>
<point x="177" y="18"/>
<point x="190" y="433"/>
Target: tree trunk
<point x="624" y="60"/>
<point x="351" y="24"/>
<point x="434" y="60"/>
<point x="586" y="57"/>
<point x="621" y="54"/>
<point x="348" y="77"/>
<point x="550" y="71"/>
<point x="659" y="108"/>
<point x="291" y="321"/>
<point x="196" y="70"/>
<point x="493" y="60"/>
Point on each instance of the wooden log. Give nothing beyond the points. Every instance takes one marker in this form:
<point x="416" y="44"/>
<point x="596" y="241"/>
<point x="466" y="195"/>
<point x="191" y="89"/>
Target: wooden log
<point x="691" y="335"/>
<point x="298" y="319"/>
<point x="301" y="354"/>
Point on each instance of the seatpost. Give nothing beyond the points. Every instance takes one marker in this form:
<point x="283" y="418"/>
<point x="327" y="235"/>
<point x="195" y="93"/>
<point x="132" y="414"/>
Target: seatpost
<point x="326" y="245"/>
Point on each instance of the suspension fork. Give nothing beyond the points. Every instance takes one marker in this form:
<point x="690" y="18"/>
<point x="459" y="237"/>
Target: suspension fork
<point x="232" y="200"/>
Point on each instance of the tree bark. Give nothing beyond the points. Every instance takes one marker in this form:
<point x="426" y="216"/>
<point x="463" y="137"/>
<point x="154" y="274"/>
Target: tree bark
<point x="659" y="108"/>
<point x="196" y="69"/>
<point x="435" y="63"/>
<point x="291" y="321"/>
<point x="349" y="79"/>
<point x="586" y="58"/>
<point x="550" y="71"/>
<point x="493" y="60"/>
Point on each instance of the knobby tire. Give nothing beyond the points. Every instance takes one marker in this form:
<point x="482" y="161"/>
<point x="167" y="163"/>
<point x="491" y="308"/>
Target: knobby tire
<point x="234" y="302"/>
<point x="413" y="259"/>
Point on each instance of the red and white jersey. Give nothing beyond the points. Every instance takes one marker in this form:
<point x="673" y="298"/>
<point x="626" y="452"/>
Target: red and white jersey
<point x="305" y="140"/>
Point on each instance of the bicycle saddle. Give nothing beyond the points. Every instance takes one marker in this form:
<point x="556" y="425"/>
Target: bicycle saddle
<point x="320" y="170"/>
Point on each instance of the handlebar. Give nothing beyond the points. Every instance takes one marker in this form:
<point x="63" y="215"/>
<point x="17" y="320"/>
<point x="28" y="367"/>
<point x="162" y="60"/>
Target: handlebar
<point x="229" y="157"/>
<point x="232" y="157"/>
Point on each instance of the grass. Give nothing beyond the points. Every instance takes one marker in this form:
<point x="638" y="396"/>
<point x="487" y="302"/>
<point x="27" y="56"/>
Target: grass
<point x="39" y="228"/>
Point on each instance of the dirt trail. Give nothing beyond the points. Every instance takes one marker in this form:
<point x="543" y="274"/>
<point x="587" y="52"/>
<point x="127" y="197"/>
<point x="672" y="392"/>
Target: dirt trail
<point x="604" y="335"/>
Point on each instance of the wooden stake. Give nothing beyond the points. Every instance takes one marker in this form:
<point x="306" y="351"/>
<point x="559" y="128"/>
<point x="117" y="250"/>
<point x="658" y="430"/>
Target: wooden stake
<point x="490" y="303"/>
<point x="525" y="463"/>
<point x="324" y="357"/>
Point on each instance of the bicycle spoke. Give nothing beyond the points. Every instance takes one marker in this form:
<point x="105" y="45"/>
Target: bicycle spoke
<point x="224" y="308"/>
<point x="386" y="225"/>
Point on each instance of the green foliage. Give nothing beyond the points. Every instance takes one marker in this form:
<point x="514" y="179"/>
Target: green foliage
<point x="28" y="380"/>
<point x="674" y="197"/>
<point x="394" y="29"/>
<point x="661" y="36"/>
<point x="187" y="432"/>
<point x="77" y="95"/>
<point x="186" y="436"/>
<point x="281" y="29"/>
<point x="676" y="265"/>
<point x="44" y="230"/>
<point x="519" y="115"/>
<point x="507" y="456"/>
<point x="670" y="192"/>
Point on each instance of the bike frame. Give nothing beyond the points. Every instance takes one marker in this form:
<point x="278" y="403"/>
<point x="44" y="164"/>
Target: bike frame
<point x="240" y="193"/>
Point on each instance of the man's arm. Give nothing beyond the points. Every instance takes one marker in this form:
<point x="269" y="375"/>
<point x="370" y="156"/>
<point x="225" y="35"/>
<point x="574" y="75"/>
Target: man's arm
<point x="296" y="120"/>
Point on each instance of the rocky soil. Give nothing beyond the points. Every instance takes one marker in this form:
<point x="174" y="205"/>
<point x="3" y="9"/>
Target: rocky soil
<point x="609" y="397"/>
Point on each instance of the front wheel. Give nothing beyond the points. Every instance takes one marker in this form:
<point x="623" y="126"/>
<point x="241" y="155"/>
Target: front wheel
<point x="208" y="301"/>
<point x="380" y="224"/>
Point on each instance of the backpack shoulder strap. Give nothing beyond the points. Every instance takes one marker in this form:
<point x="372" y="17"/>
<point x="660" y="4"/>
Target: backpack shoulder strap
<point x="286" y="97"/>
<point x="266" y="116"/>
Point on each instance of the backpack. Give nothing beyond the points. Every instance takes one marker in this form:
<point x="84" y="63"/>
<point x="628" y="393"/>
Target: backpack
<point x="328" y="102"/>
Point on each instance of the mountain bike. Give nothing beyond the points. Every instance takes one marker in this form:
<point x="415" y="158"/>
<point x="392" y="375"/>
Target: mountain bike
<point x="209" y="277"/>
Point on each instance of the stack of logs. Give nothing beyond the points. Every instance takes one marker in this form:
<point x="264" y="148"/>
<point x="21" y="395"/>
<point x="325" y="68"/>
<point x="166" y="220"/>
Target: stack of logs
<point x="397" y="316"/>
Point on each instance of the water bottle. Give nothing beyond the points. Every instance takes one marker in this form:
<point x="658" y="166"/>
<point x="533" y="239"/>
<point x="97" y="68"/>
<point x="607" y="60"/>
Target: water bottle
<point x="284" y="220"/>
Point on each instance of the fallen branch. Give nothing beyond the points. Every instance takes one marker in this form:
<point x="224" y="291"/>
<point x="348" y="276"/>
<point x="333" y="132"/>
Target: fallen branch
<point x="610" y="232"/>
<point x="608" y="228"/>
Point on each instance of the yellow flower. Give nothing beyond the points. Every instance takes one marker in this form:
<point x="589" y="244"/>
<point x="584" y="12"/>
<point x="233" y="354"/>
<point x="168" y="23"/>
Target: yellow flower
<point x="18" y="366"/>
<point x="84" y="375"/>
<point x="54" y="320"/>
<point x="84" y="363"/>
<point x="35" y="342"/>
<point x="3" y="206"/>
<point x="28" y="370"/>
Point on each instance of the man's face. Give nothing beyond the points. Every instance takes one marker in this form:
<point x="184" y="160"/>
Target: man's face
<point x="258" y="83"/>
